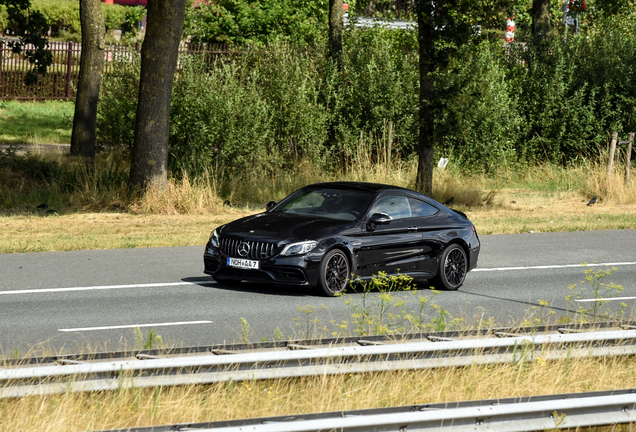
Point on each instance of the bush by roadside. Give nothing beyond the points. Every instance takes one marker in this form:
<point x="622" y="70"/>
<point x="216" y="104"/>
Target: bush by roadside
<point x="64" y="19"/>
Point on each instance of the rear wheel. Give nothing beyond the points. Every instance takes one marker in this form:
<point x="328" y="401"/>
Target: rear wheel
<point x="334" y="273"/>
<point x="451" y="272"/>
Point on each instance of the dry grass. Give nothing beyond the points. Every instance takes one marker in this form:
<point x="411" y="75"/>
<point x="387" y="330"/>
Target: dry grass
<point x="100" y="213"/>
<point x="130" y="408"/>
<point x="522" y="211"/>
<point x="108" y="231"/>
<point x="186" y="213"/>
<point x="82" y="231"/>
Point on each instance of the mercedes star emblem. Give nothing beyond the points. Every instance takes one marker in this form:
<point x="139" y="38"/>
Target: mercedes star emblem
<point x="243" y="249"/>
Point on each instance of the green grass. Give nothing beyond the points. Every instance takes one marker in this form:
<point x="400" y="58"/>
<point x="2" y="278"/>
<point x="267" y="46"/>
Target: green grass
<point x="47" y="122"/>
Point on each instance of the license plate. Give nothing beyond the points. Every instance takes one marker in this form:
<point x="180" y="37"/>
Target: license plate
<point x="243" y="263"/>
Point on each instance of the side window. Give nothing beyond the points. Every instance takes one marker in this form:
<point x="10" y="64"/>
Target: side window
<point x="420" y="208"/>
<point x="395" y="206"/>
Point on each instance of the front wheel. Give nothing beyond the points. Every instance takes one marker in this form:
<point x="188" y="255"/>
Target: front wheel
<point x="452" y="269"/>
<point x="334" y="273"/>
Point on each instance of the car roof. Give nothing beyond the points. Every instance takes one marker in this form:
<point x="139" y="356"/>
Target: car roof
<point x="371" y="187"/>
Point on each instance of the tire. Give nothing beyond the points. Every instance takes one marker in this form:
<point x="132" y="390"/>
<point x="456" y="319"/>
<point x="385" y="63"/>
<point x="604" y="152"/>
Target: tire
<point x="222" y="280"/>
<point x="334" y="273"/>
<point x="451" y="271"/>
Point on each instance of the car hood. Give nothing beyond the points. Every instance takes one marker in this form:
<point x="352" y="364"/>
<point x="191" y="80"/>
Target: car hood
<point x="274" y="227"/>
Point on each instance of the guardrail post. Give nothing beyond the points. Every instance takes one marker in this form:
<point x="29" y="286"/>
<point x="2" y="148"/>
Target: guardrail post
<point x="69" y="62"/>
<point x="628" y="158"/>
<point x="610" y="162"/>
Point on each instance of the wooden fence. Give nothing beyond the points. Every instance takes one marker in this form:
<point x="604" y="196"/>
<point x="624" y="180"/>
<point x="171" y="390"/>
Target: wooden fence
<point x="628" y="155"/>
<point x="60" y="80"/>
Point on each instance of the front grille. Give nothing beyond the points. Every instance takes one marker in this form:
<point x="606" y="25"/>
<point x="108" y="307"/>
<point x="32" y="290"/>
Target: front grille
<point x="257" y="250"/>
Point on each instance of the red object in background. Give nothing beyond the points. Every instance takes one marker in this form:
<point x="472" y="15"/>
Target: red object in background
<point x="127" y="2"/>
<point x="145" y="2"/>
<point x="578" y="5"/>
<point x="345" y="6"/>
<point x="510" y="29"/>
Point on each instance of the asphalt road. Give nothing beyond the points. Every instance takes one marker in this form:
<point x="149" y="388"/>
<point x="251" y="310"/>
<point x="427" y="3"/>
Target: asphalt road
<point x="72" y="300"/>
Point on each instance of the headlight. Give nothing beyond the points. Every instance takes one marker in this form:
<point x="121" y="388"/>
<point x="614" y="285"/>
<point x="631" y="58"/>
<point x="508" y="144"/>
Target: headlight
<point x="214" y="239"/>
<point x="299" y="248"/>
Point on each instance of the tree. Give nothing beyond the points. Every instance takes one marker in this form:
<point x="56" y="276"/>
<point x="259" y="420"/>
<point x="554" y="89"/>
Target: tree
<point x="335" y="29"/>
<point x="443" y="25"/>
<point x="540" y="21"/>
<point x="159" y="54"/>
<point x="30" y="27"/>
<point x="90" y="76"/>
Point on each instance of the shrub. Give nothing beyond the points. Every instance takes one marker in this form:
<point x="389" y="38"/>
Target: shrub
<point x="64" y="19"/>
<point x="262" y="111"/>
<point x="572" y="96"/>
<point x="117" y="105"/>
<point x="480" y="122"/>
<point x="258" y="21"/>
<point x="378" y="83"/>
<point x="272" y="107"/>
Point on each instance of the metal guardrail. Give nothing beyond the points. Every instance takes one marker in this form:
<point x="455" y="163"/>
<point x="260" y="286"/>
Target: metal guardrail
<point x="366" y="356"/>
<point x="510" y="414"/>
<point x="236" y="348"/>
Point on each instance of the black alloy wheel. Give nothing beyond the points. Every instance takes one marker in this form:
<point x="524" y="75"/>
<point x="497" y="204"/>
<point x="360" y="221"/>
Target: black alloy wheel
<point x="452" y="269"/>
<point x="334" y="273"/>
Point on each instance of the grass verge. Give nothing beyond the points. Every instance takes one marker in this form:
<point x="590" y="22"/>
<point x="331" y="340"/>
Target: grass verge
<point x="38" y="231"/>
<point x="45" y="122"/>
<point x="54" y="203"/>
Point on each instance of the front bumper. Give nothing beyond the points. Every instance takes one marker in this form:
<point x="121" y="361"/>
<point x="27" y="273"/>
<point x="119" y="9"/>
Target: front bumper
<point x="294" y="270"/>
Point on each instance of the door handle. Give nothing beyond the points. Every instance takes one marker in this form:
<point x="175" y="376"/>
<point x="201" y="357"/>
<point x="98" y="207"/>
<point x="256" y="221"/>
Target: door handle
<point x="412" y="228"/>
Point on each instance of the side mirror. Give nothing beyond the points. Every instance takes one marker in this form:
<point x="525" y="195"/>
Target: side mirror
<point x="270" y="205"/>
<point x="378" y="219"/>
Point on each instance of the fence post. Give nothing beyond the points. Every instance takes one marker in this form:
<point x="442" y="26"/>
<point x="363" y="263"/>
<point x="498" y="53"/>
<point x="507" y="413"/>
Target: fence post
<point x="628" y="157"/>
<point x="69" y="62"/>
<point x="610" y="162"/>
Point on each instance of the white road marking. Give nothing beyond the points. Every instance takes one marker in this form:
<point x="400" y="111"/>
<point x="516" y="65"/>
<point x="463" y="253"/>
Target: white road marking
<point x="103" y="287"/>
<point x="606" y="299"/>
<point x="135" y="325"/>
<point x="553" y="266"/>
<point x="175" y="284"/>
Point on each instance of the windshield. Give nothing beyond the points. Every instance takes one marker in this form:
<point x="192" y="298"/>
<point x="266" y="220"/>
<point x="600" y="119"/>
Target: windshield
<point x="343" y="204"/>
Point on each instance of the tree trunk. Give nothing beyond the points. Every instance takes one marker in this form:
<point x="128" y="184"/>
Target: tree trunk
<point x="159" y="54"/>
<point x="426" y="29"/>
<point x="91" y="69"/>
<point x="335" y="29"/>
<point x="540" y="21"/>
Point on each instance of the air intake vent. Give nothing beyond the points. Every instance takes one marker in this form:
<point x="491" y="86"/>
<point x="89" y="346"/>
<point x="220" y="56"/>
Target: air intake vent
<point x="255" y="250"/>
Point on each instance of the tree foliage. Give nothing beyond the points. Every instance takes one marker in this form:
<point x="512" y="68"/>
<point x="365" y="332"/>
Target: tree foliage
<point x="443" y="27"/>
<point x="272" y="107"/>
<point x="30" y="26"/>
<point x="257" y="21"/>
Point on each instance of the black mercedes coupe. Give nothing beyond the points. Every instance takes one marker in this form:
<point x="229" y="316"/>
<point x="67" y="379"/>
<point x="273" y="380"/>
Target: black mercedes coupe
<point x="325" y="234"/>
